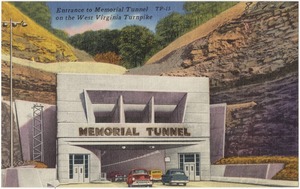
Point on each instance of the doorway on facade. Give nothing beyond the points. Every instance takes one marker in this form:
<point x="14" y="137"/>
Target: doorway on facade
<point x="79" y="168"/>
<point x="189" y="170"/>
<point x="190" y="164"/>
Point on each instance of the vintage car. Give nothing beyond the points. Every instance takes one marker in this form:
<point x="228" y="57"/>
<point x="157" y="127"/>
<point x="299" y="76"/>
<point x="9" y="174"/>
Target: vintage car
<point x="155" y="175"/>
<point x="138" y="177"/>
<point x="174" y="176"/>
<point x="116" y="176"/>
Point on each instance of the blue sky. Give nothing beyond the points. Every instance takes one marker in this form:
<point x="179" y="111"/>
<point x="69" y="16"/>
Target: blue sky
<point x="91" y="18"/>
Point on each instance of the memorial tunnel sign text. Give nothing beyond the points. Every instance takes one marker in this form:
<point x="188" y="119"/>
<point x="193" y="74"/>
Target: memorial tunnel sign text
<point x="122" y="131"/>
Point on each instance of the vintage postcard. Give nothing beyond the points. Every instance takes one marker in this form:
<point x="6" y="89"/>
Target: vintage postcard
<point x="149" y="93"/>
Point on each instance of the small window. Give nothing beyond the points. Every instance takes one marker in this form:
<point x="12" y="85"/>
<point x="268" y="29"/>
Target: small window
<point x="178" y="173"/>
<point x="78" y="159"/>
<point x="197" y="165"/>
<point x="71" y="166"/>
<point x="189" y="158"/>
<point x="86" y="166"/>
<point x="181" y="161"/>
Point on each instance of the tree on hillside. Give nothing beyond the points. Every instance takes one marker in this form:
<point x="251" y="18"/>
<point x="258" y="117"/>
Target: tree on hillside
<point x="89" y="42"/>
<point x="135" y="43"/>
<point x="76" y="40"/>
<point x="200" y="12"/>
<point x="196" y="13"/>
<point x="37" y="11"/>
<point x="97" y="42"/>
<point x="107" y="41"/>
<point x="60" y="33"/>
<point x="86" y="41"/>
<point x="171" y="27"/>
<point x="40" y="13"/>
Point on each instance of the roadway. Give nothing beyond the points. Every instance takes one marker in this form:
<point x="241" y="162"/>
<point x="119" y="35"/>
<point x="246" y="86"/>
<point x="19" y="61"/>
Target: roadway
<point x="159" y="185"/>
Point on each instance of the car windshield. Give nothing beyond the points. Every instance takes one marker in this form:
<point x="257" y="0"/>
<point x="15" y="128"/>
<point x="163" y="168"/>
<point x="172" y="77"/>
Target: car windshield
<point x="140" y="171"/>
<point x="156" y="171"/>
<point x="177" y="173"/>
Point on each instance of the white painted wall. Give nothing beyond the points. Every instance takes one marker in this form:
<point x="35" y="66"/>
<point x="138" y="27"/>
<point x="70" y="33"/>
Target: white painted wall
<point x="72" y="114"/>
<point x="29" y="177"/>
<point x="24" y="114"/>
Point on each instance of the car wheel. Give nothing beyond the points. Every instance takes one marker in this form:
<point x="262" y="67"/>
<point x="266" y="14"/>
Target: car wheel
<point x="163" y="183"/>
<point x="184" y="184"/>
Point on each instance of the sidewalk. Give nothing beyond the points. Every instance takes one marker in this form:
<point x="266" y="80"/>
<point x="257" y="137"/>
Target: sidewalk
<point x="216" y="182"/>
<point x="266" y="182"/>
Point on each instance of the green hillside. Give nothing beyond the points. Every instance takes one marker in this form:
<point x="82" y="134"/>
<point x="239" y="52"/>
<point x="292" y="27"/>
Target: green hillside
<point x="33" y="42"/>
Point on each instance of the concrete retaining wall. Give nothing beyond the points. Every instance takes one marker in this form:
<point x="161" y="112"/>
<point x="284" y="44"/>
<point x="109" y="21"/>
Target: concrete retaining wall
<point x="263" y="171"/>
<point x="217" y="131"/>
<point x="25" y="122"/>
<point x="28" y="177"/>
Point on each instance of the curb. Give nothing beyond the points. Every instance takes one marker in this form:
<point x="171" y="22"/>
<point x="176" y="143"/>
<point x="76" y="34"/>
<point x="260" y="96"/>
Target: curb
<point x="267" y="182"/>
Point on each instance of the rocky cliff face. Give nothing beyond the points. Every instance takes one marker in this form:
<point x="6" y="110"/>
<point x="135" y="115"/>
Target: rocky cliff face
<point x="28" y="84"/>
<point x="252" y="59"/>
<point x="5" y="139"/>
<point x="262" y="42"/>
<point x="268" y="125"/>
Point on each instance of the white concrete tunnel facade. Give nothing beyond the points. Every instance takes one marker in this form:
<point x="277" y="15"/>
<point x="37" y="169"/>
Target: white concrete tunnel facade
<point x="103" y="112"/>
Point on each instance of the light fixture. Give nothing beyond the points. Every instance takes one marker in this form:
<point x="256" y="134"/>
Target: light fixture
<point x="151" y="147"/>
<point x="12" y="24"/>
<point x="23" y="24"/>
<point x="4" y="24"/>
<point x="123" y="147"/>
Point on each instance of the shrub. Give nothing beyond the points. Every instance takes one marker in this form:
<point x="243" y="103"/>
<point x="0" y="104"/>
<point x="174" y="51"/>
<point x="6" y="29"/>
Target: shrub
<point x="289" y="172"/>
<point x="108" y="57"/>
<point x="38" y="164"/>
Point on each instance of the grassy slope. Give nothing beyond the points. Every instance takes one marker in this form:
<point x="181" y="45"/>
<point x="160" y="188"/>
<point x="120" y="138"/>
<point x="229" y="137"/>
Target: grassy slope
<point x="201" y="31"/>
<point x="71" y="67"/>
<point x="47" y="47"/>
<point x="33" y="38"/>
